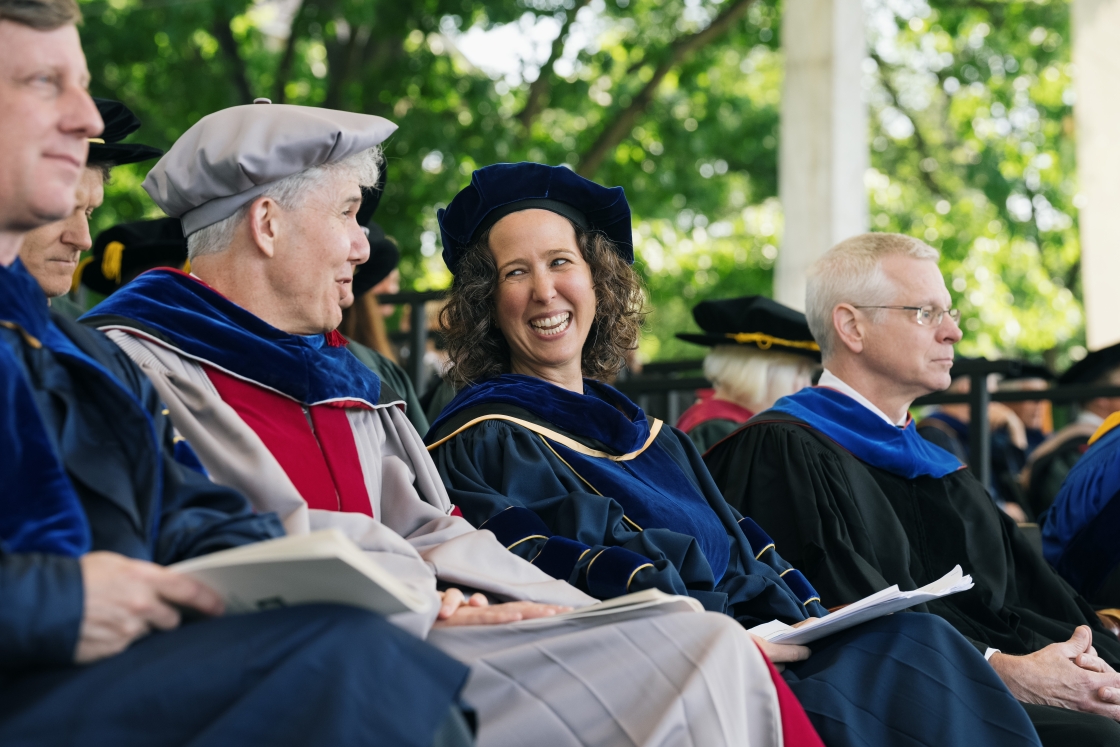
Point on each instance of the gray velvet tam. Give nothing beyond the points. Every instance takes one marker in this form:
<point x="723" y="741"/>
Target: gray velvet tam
<point x="229" y="158"/>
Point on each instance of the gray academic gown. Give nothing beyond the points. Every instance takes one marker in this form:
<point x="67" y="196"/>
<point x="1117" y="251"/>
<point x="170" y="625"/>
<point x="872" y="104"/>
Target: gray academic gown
<point x="651" y="679"/>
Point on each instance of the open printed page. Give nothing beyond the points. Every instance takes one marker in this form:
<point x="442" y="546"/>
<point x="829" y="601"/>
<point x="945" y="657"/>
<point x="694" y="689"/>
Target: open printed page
<point x="881" y="603"/>
<point x="321" y="567"/>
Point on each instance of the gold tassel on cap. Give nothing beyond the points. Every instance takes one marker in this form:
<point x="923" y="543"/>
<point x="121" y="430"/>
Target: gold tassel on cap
<point x="78" y="273"/>
<point x="764" y="341"/>
<point x="111" y="262"/>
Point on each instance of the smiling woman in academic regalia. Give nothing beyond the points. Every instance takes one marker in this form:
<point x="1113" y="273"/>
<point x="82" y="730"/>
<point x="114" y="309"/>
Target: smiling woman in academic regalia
<point x="570" y="474"/>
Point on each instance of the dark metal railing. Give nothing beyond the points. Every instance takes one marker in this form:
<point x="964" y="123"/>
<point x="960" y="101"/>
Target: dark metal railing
<point x="417" y="335"/>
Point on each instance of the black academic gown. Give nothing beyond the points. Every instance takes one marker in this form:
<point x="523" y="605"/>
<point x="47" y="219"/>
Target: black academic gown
<point x="854" y="529"/>
<point x="78" y="418"/>
<point x="529" y="472"/>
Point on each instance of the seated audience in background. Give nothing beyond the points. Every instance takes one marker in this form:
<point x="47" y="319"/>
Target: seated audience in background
<point x="362" y="322"/>
<point x="247" y="357"/>
<point x="125" y="251"/>
<point x="51" y="252"/>
<point x="570" y="474"/>
<point x="839" y="477"/>
<point x="947" y="426"/>
<point x="1049" y="464"/>
<point x="93" y="505"/>
<point x="760" y="352"/>
<point x="1080" y="535"/>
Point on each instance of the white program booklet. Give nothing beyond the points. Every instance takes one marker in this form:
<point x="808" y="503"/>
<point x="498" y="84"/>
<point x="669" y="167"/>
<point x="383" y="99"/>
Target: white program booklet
<point x="324" y="566"/>
<point x="881" y="603"/>
<point x="629" y="603"/>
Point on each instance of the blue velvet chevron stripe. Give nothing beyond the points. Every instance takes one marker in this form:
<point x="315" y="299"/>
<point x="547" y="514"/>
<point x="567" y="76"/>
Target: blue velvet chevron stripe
<point x="207" y="326"/>
<point x="559" y="556"/>
<point x="900" y="451"/>
<point x="800" y="586"/>
<point x="757" y="536"/>
<point x="515" y="525"/>
<point x="610" y="572"/>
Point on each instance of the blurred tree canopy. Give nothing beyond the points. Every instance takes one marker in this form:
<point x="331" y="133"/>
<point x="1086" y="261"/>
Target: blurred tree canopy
<point x="678" y="101"/>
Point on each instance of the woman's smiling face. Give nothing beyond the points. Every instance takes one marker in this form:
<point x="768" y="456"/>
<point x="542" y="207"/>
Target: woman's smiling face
<point x="545" y="297"/>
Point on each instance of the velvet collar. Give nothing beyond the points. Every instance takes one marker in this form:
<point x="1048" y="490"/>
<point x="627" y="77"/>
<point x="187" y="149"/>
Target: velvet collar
<point x="653" y="489"/>
<point x="39" y="508"/>
<point x="182" y="312"/>
<point x="900" y="451"/>
<point x="601" y="413"/>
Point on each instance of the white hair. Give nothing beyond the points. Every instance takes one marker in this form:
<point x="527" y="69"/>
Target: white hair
<point x="756" y="379"/>
<point x="852" y="272"/>
<point x="289" y="192"/>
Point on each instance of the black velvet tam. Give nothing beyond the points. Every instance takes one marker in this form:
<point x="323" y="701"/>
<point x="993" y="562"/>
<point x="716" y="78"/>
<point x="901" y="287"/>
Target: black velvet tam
<point x="383" y="258"/>
<point x="120" y="122"/>
<point x="753" y="320"/>
<point x="504" y="188"/>
<point x="123" y="251"/>
<point x="1093" y="367"/>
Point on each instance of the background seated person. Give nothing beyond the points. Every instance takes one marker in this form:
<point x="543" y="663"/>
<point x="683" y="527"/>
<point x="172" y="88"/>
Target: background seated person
<point x="363" y="324"/>
<point x="1079" y="536"/>
<point x="838" y="475"/>
<point x="947" y="427"/>
<point x="760" y="352"/>
<point x="569" y="473"/>
<point x="247" y="357"/>
<point x="1048" y="465"/>
<point x="93" y="504"/>
<point x="51" y="252"/>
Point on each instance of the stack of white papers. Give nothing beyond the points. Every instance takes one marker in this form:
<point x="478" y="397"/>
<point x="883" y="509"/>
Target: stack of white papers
<point x="324" y="566"/>
<point x="881" y="603"/>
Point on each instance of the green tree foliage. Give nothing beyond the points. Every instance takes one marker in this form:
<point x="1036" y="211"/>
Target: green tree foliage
<point x="678" y="101"/>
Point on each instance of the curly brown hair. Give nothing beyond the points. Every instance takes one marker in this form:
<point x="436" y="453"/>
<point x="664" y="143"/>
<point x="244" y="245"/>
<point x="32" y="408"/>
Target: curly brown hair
<point x="477" y="348"/>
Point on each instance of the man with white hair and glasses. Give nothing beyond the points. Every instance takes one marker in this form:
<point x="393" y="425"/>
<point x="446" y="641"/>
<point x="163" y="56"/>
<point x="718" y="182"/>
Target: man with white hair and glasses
<point x="858" y="501"/>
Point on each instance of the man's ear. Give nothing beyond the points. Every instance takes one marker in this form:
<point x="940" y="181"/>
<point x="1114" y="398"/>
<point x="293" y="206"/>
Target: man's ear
<point x="849" y="327"/>
<point x="264" y="224"/>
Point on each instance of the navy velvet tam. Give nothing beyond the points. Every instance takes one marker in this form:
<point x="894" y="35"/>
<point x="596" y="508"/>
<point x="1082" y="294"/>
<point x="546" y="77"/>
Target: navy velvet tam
<point x="231" y="157"/>
<point x="504" y="188"/>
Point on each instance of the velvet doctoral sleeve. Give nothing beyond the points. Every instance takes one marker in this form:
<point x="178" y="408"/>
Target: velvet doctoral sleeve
<point x="506" y="479"/>
<point x="40" y="610"/>
<point x="780" y="476"/>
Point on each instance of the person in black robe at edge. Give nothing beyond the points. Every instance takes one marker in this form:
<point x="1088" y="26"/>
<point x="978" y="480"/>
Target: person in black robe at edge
<point x="570" y="474"/>
<point x="1010" y="441"/>
<point x="1048" y="465"/>
<point x="838" y="476"/>
<point x="94" y="504"/>
<point x="362" y="322"/>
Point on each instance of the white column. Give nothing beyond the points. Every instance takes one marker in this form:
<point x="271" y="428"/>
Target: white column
<point x="1096" y="57"/>
<point x="823" y="152"/>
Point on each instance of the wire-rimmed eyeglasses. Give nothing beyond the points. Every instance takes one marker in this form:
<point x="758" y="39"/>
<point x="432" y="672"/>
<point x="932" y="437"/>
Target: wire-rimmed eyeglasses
<point x="927" y="316"/>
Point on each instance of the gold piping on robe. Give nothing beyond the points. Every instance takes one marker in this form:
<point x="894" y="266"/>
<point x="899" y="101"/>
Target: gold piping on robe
<point x="625" y="518"/>
<point x="763" y="550"/>
<point x="635" y="573"/>
<point x="97" y="141"/>
<point x="810" y="599"/>
<point x="526" y="539"/>
<point x="29" y="338"/>
<point x="764" y="341"/>
<point x="563" y="440"/>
